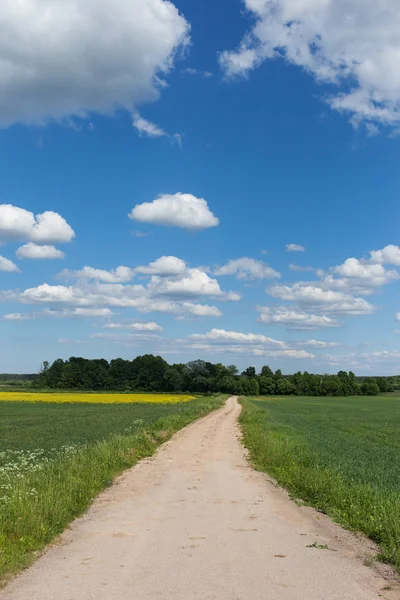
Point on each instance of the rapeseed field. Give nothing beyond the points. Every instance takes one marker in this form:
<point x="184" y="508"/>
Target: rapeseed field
<point x="71" y="398"/>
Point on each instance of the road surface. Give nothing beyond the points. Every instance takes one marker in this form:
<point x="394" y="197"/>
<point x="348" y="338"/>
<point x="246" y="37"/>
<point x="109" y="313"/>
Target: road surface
<point x="196" y="522"/>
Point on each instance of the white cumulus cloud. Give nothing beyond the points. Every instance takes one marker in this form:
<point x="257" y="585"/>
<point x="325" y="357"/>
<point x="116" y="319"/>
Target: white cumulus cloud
<point x="294" y="248"/>
<point x="150" y="326"/>
<point x="221" y="336"/>
<point x="294" y="319"/>
<point x="390" y="255"/>
<point x="309" y="295"/>
<point x="176" y="210"/>
<point x="165" y="266"/>
<point x="118" y="275"/>
<point x="194" y="283"/>
<point x="36" y="252"/>
<point x="353" y="45"/>
<point x="248" y="268"/>
<point x="7" y="265"/>
<point x="18" y="224"/>
<point x="69" y="58"/>
<point x="319" y="344"/>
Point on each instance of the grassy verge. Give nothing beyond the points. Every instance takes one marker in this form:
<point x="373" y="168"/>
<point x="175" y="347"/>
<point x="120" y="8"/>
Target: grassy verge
<point x="54" y="460"/>
<point x="340" y="455"/>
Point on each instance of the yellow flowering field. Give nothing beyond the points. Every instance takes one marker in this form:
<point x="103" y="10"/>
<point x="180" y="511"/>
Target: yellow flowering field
<point x="94" y="398"/>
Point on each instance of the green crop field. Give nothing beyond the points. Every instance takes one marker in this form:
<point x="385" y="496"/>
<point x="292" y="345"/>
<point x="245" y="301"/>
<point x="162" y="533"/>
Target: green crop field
<point x="55" y="458"/>
<point x="341" y="455"/>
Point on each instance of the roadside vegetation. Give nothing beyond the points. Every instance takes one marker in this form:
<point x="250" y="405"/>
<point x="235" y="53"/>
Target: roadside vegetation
<point x="55" y="458"/>
<point x="340" y="455"/>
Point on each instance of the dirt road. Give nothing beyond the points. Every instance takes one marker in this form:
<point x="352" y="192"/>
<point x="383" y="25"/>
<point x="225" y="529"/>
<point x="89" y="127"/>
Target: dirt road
<point x="196" y="522"/>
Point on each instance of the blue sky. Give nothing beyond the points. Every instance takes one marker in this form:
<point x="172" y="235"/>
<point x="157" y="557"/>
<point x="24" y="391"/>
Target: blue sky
<point x="202" y="140"/>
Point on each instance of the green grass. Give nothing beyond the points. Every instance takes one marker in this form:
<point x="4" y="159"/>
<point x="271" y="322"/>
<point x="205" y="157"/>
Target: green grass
<point x="340" y="455"/>
<point x="27" y="426"/>
<point x="54" y="460"/>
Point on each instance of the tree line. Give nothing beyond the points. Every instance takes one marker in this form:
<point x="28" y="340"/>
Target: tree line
<point x="150" y="373"/>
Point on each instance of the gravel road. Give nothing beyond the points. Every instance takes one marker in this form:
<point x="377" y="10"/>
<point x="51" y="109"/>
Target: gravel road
<point x="196" y="522"/>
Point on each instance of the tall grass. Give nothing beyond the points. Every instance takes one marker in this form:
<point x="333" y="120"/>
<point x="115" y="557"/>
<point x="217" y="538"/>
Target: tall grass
<point x="340" y="455"/>
<point x="42" y="489"/>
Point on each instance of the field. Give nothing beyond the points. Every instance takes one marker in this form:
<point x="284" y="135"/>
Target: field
<point x="55" y="458"/>
<point x="341" y="455"/>
<point x="76" y="398"/>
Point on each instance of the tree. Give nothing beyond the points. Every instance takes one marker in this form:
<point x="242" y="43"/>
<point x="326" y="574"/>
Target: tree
<point x="369" y="388"/>
<point x="148" y="371"/>
<point x="382" y="384"/>
<point x="267" y="386"/>
<point x="266" y="372"/>
<point x="153" y="374"/>
<point x="229" y="385"/>
<point x="249" y="372"/>
<point x="172" y="380"/>
<point x="285" y="387"/>
<point x="249" y="386"/>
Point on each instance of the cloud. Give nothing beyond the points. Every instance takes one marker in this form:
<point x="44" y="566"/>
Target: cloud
<point x="201" y="310"/>
<point x="191" y="71"/>
<point x="256" y="351"/>
<point x="71" y="313"/>
<point x="244" y="344"/>
<point x="319" y="344"/>
<point x="36" y="252"/>
<point x="71" y="58"/>
<point x="349" y="44"/>
<point x="294" y="319"/>
<point x="169" y="286"/>
<point x="68" y="341"/>
<point x="8" y="266"/>
<point x="149" y="129"/>
<point x="179" y="308"/>
<point x="9" y="295"/>
<point x="118" y="275"/>
<point x="300" y="269"/>
<point x="247" y="350"/>
<point x="100" y="295"/>
<point x="294" y="248"/>
<point x="66" y="313"/>
<point x="309" y="295"/>
<point x="18" y="224"/>
<point x="16" y="317"/>
<point x="164" y="266"/>
<point x="176" y="210"/>
<point x="387" y="355"/>
<point x="194" y="283"/>
<point x="142" y="234"/>
<point x="248" y="268"/>
<point x="126" y="337"/>
<point x="222" y="337"/>
<point x="144" y="127"/>
<point x="151" y="326"/>
<point x="369" y="275"/>
<point x="390" y="255"/>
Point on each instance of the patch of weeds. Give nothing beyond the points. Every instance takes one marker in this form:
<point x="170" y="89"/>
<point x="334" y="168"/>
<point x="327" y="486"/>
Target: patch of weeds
<point x="320" y="546"/>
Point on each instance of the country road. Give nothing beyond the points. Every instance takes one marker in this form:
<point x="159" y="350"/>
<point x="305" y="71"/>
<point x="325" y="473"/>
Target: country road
<point x="196" y="522"/>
